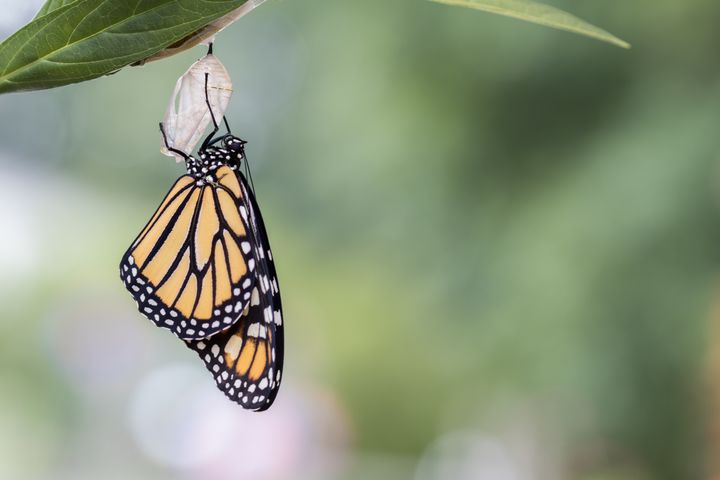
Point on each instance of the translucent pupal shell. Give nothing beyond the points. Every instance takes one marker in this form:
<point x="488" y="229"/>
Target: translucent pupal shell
<point x="187" y="116"/>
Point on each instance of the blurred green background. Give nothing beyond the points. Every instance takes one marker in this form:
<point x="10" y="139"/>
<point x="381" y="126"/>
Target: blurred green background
<point x="498" y="246"/>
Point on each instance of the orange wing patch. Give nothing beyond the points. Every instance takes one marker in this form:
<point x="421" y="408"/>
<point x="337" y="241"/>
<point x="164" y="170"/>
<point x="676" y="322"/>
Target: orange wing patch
<point x="246" y="357"/>
<point x="161" y="259"/>
<point x="142" y="247"/>
<point x="228" y="179"/>
<point x="207" y="227"/>
<point x="186" y="302"/>
<point x="259" y="362"/>
<point x="231" y="214"/>
<point x="181" y="185"/>
<point x="223" y="285"/>
<point x="170" y="290"/>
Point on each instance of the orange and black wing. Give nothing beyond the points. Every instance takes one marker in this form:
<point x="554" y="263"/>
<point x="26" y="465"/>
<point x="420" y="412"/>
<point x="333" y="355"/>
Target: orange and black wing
<point x="192" y="268"/>
<point x="247" y="359"/>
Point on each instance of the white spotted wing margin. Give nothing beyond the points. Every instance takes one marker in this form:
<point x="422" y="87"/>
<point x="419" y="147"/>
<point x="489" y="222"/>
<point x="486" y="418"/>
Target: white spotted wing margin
<point x="247" y="359"/>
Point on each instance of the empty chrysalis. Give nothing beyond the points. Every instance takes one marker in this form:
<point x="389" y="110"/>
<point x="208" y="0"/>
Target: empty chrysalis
<point x="187" y="116"/>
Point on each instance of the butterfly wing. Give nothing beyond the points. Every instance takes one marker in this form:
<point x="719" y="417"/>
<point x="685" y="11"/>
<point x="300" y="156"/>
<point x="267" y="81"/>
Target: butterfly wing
<point x="192" y="268"/>
<point x="247" y="359"/>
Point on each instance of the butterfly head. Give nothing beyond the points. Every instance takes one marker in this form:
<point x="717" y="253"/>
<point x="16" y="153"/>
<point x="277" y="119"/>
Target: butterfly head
<point x="236" y="146"/>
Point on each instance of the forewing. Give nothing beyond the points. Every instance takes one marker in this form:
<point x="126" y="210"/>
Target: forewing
<point x="191" y="269"/>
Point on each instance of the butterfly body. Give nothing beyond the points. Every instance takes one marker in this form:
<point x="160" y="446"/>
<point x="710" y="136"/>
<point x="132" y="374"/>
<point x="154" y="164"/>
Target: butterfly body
<point x="211" y="158"/>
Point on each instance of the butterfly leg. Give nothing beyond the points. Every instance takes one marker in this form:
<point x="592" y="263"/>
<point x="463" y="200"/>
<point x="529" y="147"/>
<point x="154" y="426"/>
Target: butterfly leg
<point x="227" y="125"/>
<point x="167" y="144"/>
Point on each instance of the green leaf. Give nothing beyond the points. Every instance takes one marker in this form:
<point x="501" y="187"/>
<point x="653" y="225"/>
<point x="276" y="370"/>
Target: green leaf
<point x="539" y="13"/>
<point x="205" y="33"/>
<point x="86" y="39"/>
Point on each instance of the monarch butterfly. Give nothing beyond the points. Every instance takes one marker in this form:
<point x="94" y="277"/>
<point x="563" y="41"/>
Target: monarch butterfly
<point x="202" y="267"/>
